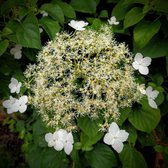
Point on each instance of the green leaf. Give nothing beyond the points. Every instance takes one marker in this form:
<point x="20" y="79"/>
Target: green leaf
<point x="158" y="79"/>
<point x="54" y="11"/>
<point x="120" y="10"/>
<point x="145" y="118"/>
<point x="87" y="6"/>
<point x="89" y="126"/>
<point x="133" y="17"/>
<point x="67" y="10"/>
<point x="144" y="31"/>
<point x="50" y="26"/>
<point x="101" y="156"/>
<point x="87" y="142"/>
<point x="124" y="113"/>
<point x="146" y="139"/>
<point x="96" y="24"/>
<point x="26" y="33"/>
<point x="133" y="133"/>
<point x="103" y="14"/>
<point x="155" y="48"/>
<point x="131" y="158"/>
<point x="3" y="46"/>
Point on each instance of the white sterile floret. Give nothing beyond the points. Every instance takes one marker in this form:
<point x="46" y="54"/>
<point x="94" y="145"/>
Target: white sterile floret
<point x="16" y="51"/>
<point x="44" y="13"/>
<point x="22" y="104"/>
<point x="78" y="25"/>
<point x="151" y="95"/>
<point x="11" y="104"/>
<point x="60" y="139"/>
<point x="141" y="64"/>
<point x="115" y="137"/>
<point x="113" y="21"/>
<point x="14" y="85"/>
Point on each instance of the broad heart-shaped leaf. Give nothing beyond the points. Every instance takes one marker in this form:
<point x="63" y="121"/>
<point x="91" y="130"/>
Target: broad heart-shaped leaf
<point x="3" y="46"/>
<point x="124" y="113"/>
<point x="54" y="11"/>
<point x="50" y="26"/>
<point x="89" y="126"/>
<point x="101" y="156"/>
<point x="85" y="6"/>
<point x="88" y="142"/>
<point x="133" y="16"/>
<point x="131" y="158"/>
<point x="144" y="31"/>
<point x="157" y="47"/>
<point x="44" y="157"/>
<point x="67" y="10"/>
<point x="146" y="118"/>
<point x="120" y="10"/>
<point x="25" y="33"/>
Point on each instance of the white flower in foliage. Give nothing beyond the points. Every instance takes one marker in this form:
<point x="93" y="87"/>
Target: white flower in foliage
<point x="11" y="104"/>
<point x="60" y="139"/>
<point x="115" y="137"/>
<point x="78" y="25"/>
<point x="151" y="95"/>
<point x="14" y="105"/>
<point x="113" y="21"/>
<point x="141" y="64"/>
<point x="16" y="51"/>
<point x="22" y="106"/>
<point x="14" y="86"/>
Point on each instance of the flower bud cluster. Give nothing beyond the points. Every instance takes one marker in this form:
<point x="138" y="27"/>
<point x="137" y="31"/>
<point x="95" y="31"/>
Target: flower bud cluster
<point x="79" y="74"/>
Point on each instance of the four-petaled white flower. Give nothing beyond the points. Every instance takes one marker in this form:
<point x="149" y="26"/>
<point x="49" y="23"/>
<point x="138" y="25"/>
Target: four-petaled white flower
<point x="11" y="105"/>
<point x="14" y="105"/>
<point x="78" y="25"/>
<point x="21" y="102"/>
<point x="115" y="137"/>
<point x="16" y="51"/>
<point x="151" y="95"/>
<point x="141" y="64"/>
<point x="14" y="86"/>
<point x="113" y="21"/>
<point x="44" y="13"/>
<point x="60" y="139"/>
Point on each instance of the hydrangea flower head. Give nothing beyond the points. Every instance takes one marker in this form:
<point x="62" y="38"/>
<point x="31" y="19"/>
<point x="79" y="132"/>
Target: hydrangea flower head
<point x="115" y="137"/>
<point x="113" y="21"/>
<point x="78" y="25"/>
<point x="151" y="95"/>
<point x="14" y="86"/>
<point x="16" y="51"/>
<point x="82" y="74"/>
<point x="60" y="139"/>
<point x="141" y="64"/>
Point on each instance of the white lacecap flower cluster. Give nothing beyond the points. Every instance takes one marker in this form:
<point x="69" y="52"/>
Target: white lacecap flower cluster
<point x="16" y="51"/>
<point x="14" y="104"/>
<point x="60" y="139"/>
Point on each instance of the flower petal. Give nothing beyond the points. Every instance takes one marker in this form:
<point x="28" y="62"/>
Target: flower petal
<point x="48" y="137"/>
<point x="143" y="70"/>
<point x="22" y="108"/>
<point x="23" y="99"/>
<point x="154" y="94"/>
<point x="69" y="138"/>
<point x="108" y="138"/>
<point x="122" y="135"/>
<point x="149" y="91"/>
<point x="59" y="145"/>
<point x="113" y="129"/>
<point x="138" y="57"/>
<point x="146" y="61"/>
<point x="118" y="146"/>
<point x="152" y="103"/>
<point x="68" y="148"/>
<point x="135" y="65"/>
